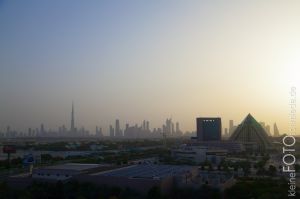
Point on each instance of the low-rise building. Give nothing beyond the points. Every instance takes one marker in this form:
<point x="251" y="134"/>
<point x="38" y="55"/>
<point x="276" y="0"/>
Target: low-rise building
<point x="65" y="172"/>
<point x="141" y="177"/>
<point x="198" y="154"/>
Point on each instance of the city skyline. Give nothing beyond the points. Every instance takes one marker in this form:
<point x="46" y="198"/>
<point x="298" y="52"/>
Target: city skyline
<point x="117" y="131"/>
<point x="130" y="128"/>
<point x="151" y="60"/>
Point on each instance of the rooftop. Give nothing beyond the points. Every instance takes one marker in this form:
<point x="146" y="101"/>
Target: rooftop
<point x="74" y="166"/>
<point x="147" y="171"/>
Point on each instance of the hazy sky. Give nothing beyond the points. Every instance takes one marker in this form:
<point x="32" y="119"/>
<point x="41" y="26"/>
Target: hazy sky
<point x="136" y="60"/>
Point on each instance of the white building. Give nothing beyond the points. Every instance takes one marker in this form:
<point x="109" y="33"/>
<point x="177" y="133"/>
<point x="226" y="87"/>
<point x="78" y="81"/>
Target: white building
<point x="198" y="154"/>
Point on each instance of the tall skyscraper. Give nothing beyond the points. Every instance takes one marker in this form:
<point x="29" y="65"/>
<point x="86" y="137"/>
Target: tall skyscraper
<point x="118" y="132"/>
<point x="177" y="127"/>
<point x="72" y="119"/>
<point x="98" y="132"/>
<point x="172" y="128"/>
<point x="168" y="128"/>
<point x="276" y="131"/>
<point x="209" y="128"/>
<point x="111" y="131"/>
<point x="29" y="132"/>
<point x="147" y="126"/>
<point x="226" y="132"/>
<point x="230" y="127"/>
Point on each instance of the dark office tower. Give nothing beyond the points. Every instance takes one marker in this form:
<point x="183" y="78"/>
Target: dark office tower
<point x="72" y="119"/>
<point x="276" y="131"/>
<point x="230" y="127"/>
<point x="111" y="131"/>
<point x="209" y="128"/>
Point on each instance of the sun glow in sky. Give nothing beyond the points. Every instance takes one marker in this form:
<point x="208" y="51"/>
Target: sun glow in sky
<point x="136" y="60"/>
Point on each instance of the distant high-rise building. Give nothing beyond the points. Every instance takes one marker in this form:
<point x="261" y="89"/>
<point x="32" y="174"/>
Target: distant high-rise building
<point x="226" y="132"/>
<point x="276" y="131"/>
<point x="177" y="127"/>
<point x="118" y="132"/>
<point x="159" y="130"/>
<point x="42" y="129"/>
<point x="72" y="119"/>
<point x="168" y="127"/>
<point x="266" y="127"/>
<point x="99" y="132"/>
<point x="29" y="132"/>
<point x="147" y="126"/>
<point x="172" y="128"/>
<point x="209" y="129"/>
<point x="111" y="131"/>
<point x="231" y="127"/>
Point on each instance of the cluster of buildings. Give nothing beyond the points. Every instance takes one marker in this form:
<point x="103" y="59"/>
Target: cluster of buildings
<point x="228" y="131"/>
<point x="139" y="176"/>
<point x="135" y="131"/>
<point x="208" y="145"/>
<point x="249" y="133"/>
<point x="143" y="131"/>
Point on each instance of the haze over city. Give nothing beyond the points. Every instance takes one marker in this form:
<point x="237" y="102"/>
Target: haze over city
<point x="147" y="60"/>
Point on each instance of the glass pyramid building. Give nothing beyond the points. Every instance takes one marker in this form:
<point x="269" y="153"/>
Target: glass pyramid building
<point x="252" y="135"/>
